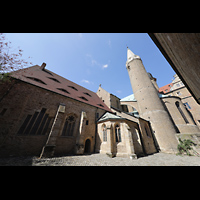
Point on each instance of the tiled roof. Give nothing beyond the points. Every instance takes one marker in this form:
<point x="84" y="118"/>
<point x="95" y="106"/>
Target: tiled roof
<point x="41" y="77"/>
<point x="129" y="98"/>
<point x="166" y="88"/>
<point x="108" y="116"/>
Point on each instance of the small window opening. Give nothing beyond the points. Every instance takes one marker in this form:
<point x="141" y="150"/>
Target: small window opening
<point x="36" y="79"/>
<point x="54" y="79"/>
<point x="73" y="87"/>
<point x="83" y="98"/>
<point x="47" y="72"/>
<point x="87" y="94"/>
<point x="87" y="122"/>
<point x="63" y="90"/>
<point x="100" y="105"/>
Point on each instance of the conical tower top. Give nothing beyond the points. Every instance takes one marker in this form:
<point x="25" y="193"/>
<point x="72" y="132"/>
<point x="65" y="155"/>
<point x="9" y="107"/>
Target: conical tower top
<point x="131" y="56"/>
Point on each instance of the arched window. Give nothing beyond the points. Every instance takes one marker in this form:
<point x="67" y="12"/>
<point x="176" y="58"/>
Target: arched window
<point x="104" y="133"/>
<point x="118" y="133"/>
<point x="181" y="112"/>
<point x="68" y="129"/>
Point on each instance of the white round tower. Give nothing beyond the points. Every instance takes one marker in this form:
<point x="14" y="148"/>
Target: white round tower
<point x="150" y="105"/>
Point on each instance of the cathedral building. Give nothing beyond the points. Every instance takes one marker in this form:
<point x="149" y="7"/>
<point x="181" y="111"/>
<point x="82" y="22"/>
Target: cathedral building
<point x="44" y="114"/>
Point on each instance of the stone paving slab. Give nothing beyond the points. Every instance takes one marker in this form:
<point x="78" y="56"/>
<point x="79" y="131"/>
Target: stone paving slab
<point x="159" y="159"/>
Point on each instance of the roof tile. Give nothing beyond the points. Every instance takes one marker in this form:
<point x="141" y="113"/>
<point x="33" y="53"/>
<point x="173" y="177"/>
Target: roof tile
<point x="35" y="75"/>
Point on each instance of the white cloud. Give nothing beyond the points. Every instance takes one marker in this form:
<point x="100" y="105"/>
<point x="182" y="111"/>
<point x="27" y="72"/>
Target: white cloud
<point x="93" y="62"/>
<point x="105" y="66"/>
<point x="85" y="81"/>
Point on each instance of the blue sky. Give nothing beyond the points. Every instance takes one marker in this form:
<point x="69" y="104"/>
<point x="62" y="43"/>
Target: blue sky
<point x="90" y="59"/>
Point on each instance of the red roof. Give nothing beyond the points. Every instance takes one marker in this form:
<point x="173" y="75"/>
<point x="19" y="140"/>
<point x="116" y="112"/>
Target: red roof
<point x="166" y="88"/>
<point x="46" y="79"/>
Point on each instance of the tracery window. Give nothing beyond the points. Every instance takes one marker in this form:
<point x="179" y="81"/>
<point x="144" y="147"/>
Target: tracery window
<point x="104" y="133"/>
<point x="118" y="133"/>
<point x="68" y="129"/>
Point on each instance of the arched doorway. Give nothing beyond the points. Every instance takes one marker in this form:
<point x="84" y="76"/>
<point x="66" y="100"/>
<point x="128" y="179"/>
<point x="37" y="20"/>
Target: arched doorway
<point x="87" y="146"/>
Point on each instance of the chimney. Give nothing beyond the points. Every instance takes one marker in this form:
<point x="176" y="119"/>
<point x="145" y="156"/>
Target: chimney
<point x="43" y="66"/>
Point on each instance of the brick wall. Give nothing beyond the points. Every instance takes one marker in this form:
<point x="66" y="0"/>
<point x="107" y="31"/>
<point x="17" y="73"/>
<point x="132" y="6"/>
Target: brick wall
<point x="25" y="99"/>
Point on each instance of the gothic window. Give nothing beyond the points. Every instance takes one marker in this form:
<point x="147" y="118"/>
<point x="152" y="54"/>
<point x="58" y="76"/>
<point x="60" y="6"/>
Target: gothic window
<point x="36" y="124"/>
<point x="118" y="133"/>
<point x="68" y="129"/>
<point x="104" y="133"/>
<point x="181" y="112"/>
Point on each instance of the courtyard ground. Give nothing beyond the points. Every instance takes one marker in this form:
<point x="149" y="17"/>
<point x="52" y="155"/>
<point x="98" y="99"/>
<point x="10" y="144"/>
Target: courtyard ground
<point x="159" y="159"/>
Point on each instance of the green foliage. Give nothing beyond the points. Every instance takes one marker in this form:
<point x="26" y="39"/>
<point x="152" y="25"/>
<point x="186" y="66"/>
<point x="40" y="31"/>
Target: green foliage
<point x="4" y="77"/>
<point x="185" y="146"/>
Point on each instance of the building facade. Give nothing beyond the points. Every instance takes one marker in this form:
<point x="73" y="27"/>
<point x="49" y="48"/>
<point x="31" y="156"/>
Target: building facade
<point x="178" y="89"/>
<point x="41" y="109"/>
<point x="44" y="114"/>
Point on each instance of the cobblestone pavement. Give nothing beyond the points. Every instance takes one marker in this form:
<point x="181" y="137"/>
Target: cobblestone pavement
<point x="159" y="159"/>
